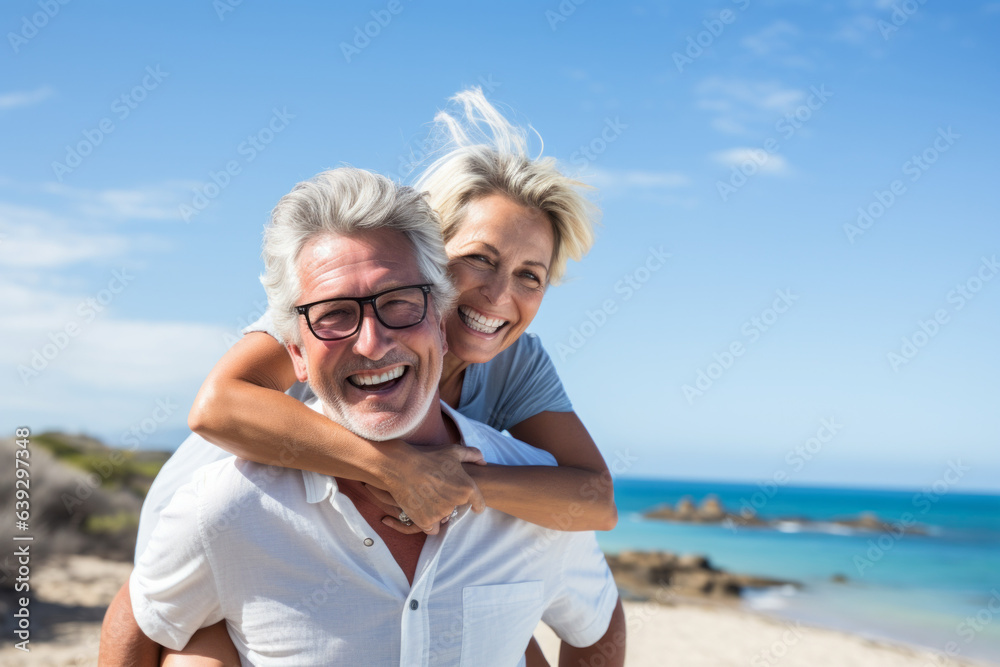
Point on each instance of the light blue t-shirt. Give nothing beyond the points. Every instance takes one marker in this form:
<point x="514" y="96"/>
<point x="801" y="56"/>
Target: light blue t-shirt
<point x="518" y="383"/>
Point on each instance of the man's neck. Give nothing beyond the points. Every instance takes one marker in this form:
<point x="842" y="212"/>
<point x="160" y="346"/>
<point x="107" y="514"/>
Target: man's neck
<point x="435" y="429"/>
<point x="452" y="377"/>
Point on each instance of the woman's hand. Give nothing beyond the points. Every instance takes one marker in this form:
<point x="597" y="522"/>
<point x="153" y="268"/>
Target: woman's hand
<point x="428" y="485"/>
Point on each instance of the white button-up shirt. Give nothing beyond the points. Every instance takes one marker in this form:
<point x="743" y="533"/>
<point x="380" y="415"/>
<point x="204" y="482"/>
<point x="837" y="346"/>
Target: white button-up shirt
<point x="301" y="578"/>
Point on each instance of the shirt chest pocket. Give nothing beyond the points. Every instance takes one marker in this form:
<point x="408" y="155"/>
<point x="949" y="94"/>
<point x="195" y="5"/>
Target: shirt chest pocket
<point x="497" y="622"/>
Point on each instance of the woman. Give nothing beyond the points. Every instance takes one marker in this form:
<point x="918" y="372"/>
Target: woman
<point x="509" y="224"/>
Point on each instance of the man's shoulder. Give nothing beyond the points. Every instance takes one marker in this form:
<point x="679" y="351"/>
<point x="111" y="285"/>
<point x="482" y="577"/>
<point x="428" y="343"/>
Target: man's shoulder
<point x="233" y="480"/>
<point x="496" y="447"/>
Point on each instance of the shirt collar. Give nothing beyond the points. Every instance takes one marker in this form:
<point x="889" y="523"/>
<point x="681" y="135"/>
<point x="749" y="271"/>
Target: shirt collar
<point x="318" y="487"/>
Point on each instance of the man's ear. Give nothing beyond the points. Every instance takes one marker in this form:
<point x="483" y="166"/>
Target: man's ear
<point x="444" y="336"/>
<point x="298" y="362"/>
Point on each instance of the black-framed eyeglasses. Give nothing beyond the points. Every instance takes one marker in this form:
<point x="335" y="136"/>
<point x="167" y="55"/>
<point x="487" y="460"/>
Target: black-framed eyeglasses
<point x="397" y="308"/>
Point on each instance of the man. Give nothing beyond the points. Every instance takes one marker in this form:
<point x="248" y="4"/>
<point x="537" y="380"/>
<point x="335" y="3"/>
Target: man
<point x="299" y="564"/>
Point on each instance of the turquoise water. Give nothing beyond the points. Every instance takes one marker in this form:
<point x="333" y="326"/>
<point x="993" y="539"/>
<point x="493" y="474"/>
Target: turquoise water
<point x="940" y="590"/>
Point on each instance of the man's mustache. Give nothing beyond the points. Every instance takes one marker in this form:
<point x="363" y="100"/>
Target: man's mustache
<point x="364" y="364"/>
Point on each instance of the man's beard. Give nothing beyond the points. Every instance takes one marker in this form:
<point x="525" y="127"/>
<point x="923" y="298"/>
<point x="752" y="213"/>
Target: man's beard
<point x="398" y="423"/>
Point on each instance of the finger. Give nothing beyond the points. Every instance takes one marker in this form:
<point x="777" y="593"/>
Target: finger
<point x="381" y="495"/>
<point x="401" y="527"/>
<point x="470" y="455"/>
<point x="477" y="500"/>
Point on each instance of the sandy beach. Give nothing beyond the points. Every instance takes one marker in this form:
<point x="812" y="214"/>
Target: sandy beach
<point x="73" y="591"/>
<point x="700" y="635"/>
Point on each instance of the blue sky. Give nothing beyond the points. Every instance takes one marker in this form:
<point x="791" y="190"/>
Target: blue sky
<point x="831" y="161"/>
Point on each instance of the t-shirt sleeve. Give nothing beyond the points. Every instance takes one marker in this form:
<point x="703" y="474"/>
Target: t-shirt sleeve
<point x="581" y="610"/>
<point x="300" y="391"/>
<point x="264" y="325"/>
<point x="172" y="587"/>
<point x="528" y="384"/>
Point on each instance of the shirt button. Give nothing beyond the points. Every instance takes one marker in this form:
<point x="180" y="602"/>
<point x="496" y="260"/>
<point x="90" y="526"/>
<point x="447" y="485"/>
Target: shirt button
<point x="414" y="604"/>
<point x="369" y="541"/>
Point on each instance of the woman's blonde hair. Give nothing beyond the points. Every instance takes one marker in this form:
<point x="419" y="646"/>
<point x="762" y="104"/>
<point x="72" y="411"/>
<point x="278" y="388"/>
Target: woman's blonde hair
<point x="487" y="155"/>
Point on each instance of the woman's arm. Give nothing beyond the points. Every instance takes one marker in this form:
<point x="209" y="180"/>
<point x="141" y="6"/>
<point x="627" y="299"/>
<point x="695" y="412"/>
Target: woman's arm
<point x="122" y="640"/>
<point x="241" y="408"/>
<point x="576" y="495"/>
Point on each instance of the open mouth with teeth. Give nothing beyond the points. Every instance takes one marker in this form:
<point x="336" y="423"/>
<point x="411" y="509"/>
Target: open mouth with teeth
<point x="476" y="321"/>
<point x="378" y="381"/>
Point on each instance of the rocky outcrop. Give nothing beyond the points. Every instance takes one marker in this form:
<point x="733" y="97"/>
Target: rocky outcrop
<point x="660" y="575"/>
<point x="871" y="521"/>
<point x="712" y="511"/>
<point x="709" y="511"/>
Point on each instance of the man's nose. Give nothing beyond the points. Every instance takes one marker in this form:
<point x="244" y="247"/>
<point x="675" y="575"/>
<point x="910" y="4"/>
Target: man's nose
<point x="373" y="339"/>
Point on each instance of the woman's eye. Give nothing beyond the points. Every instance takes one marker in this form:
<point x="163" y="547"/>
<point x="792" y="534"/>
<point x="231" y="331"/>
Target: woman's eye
<point x="531" y="276"/>
<point x="480" y="259"/>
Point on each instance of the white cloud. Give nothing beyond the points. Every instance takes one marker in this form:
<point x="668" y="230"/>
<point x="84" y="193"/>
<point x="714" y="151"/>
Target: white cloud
<point x="146" y="356"/>
<point x="100" y="350"/>
<point x="151" y="202"/>
<point x="737" y="104"/>
<point x="771" y="39"/>
<point x="856" y="30"/>
<point x="25" y="99"/>
<point x="36" y="238"/>
<point x="767" y="163"/>
<point x="111" y="374"/>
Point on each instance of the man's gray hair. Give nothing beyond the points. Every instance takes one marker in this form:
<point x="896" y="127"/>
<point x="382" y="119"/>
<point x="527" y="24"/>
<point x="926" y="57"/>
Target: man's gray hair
<point x="347" y="201"/>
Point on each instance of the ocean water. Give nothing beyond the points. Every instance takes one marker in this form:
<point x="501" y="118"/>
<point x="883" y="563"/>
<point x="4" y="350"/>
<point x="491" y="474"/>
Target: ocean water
<point x="940" y="590"/>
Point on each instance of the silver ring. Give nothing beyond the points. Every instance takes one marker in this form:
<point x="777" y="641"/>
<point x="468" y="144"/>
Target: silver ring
<point x="407" y="521"/>
<point x="454" y="513"/>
